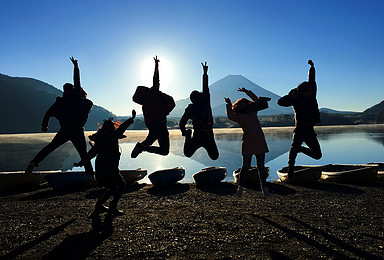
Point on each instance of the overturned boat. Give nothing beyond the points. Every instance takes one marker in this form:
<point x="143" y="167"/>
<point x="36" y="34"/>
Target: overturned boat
<point x="303" y="174"/>
<point x="252" y="176"/>
<point x="351" y="173"/>
<point x="210" y="176"/>
<point x="167" y="177"/>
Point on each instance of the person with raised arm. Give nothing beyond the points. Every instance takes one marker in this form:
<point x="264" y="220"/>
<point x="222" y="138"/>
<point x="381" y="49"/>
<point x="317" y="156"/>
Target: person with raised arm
<point x="156" y="106"/>
<point x="244" y="112"/>
<point x="307" y="115"/>
<point x="72" y="111"/>
<point x="106" y="148"/>
<point x="200" y="113"/>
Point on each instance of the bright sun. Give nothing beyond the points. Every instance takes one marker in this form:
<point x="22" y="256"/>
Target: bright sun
<point x="165" y="71"/>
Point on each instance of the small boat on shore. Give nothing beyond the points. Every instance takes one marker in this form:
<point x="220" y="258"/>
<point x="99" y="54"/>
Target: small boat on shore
<point x="18" y="180"/>
<point x="351" y="173"/>
<point x="210" y="176"/>
<point x="67" y="180"/>
<point x="167" y="177"/>
<point x="380" y="170"/>
<point x="303" y="174"/>
<point x="252" y="176"/>
<point x="132" y="176"/>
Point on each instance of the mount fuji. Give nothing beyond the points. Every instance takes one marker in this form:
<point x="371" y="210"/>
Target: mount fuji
<point x="227" y="87"/>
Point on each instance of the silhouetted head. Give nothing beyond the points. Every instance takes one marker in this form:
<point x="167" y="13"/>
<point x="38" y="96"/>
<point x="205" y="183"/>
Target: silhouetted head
<point x="68" y="88"/>
<point x="241" y="106"/>
<point x="195" y="96"/>
<point x="108" y="125"/>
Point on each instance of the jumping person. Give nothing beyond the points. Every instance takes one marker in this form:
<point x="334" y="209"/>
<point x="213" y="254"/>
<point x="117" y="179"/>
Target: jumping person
<point x="201" y="114"/>
<point x="106" y="148"/>
<point x="244" y="112"/>
<point x="304" y="103"/>
<point x="156" y="106"/>
<point x="71" y="110"/>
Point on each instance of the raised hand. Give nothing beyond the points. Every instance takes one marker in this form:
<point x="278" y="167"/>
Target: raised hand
<point x="74" y="61"/>
<point x="205" y="67"/>
<point x="133" y="114"/>
<point x="156" y="59"/>
<point x="242" y="90"/>
<point x="227" y="100"/>
<point x="310" y="62"/>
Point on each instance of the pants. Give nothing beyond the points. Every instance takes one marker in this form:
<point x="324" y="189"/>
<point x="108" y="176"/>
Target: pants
<point x="116" y="190"/>
<point x="76" y="136"/>
<point x="201" y="139"/>
<point x="304" y="134"/>
<point x="247" y="159"/>
<point x="157" y="131"/>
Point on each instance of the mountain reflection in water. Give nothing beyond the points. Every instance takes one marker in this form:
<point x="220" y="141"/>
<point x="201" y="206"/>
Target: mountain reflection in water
<point x="340" y="144"/>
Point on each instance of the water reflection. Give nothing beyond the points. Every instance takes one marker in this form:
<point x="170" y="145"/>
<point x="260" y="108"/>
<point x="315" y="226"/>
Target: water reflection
<point x="344" y="144"/>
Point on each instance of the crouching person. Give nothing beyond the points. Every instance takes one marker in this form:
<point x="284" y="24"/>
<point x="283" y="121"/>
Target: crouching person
<point x="106" y="148"/>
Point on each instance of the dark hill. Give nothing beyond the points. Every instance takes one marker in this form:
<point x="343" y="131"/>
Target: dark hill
<point x="24" y="101"/>
<point x="375" y="113"/>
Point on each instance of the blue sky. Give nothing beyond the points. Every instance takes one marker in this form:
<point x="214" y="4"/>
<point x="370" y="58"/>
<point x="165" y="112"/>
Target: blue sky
<point x="269" y="42"/>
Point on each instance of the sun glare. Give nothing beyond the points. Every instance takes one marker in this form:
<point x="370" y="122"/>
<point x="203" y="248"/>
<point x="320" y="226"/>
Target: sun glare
<point x="165" y="71"/>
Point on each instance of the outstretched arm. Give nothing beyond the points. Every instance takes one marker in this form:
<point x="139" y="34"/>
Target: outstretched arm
<point x="183" y="122"/>
<point x="249" y="93"/>
<point x="230" y="114"/>
<point x="126" y="124"/>
<point x="205" y="78"/>
<point x="156" y="77"/>
<point x="76" y="76"/>
<point x="311" y="72"/>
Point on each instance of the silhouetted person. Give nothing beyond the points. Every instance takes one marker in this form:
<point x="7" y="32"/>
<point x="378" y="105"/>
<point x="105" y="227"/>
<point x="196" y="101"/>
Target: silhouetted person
<point x="156" y="107"/>
<point x="201" y="114"/>
<point x="304" y="103"/>
<point x="71" y="110"/>
<point x="106" y="148"/>
<point x="244" y="112"/>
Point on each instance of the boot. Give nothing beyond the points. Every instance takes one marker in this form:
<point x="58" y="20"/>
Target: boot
<point x="30" y="167"/>
<point x="99" y="208"/>
<point x="137" y="150"/>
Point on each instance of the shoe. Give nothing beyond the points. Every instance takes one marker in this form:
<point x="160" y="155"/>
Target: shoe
<point x="115" y="212"/>
<point x="137" y="150"/>
<point x="99" y="208"/>
<point x="265" y="191"/>
<point x="30" y="168"/>
<point x="239" y="192"/>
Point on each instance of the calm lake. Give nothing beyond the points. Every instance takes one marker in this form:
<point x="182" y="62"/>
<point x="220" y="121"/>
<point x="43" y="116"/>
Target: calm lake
<point x="340" y="144"/>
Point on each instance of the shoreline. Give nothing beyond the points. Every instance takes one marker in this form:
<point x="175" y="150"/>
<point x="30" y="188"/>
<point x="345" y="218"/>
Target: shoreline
<point x="327" y="220"/>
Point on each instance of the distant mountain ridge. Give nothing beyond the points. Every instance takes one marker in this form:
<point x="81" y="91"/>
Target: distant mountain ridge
<point x="24" y="101"/>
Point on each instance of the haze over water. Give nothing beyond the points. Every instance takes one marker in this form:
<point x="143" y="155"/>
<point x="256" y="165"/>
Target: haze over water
<point x="340" y="144"/>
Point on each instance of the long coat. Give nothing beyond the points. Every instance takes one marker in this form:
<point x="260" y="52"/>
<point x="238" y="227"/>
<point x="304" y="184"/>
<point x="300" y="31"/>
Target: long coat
<point x="253" y="141"/>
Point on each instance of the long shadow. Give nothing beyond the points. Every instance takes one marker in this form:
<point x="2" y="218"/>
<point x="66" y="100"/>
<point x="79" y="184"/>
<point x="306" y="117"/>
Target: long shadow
<point x="222" y="188"/>
<point x="80" y="246"/>
<point x="49" y="193"/>
<point x="22" y="249"/>
<point x="303" y="238"/>
<point x="359" y="252"/>
<point x="339" y="188"/>
<point x="280" y="189"/>
<point x="178" y="188"/>
<point x="128" y="189"/>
